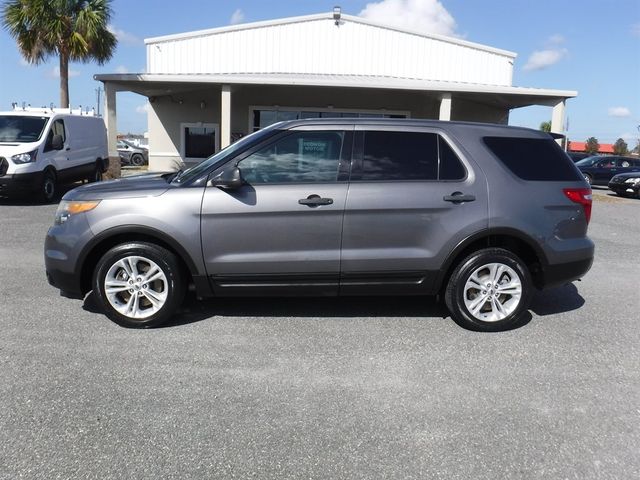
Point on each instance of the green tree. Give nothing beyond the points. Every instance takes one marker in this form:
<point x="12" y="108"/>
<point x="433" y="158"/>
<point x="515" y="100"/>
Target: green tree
<point x="545" y="127"/>
<point x="74" y="30"/>
<point x="592" y="146"/>
<point x="620" y="147"/>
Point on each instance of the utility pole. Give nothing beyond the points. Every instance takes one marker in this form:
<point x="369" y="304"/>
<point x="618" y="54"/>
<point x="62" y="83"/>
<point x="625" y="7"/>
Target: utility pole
<point x="98" y="92"/>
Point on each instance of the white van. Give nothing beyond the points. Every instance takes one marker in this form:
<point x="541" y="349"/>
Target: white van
<point x="41" y="148"/>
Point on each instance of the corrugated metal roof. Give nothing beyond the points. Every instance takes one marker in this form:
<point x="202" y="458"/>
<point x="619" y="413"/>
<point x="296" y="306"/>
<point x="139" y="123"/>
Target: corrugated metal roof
<point x="324" y="16"/>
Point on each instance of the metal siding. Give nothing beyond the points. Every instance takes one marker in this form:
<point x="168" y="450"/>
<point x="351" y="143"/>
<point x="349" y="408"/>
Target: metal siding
<point x="319" y="47"/>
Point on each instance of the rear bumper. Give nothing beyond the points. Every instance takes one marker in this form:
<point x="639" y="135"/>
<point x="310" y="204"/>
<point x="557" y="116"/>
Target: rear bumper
<point x="563" y="273"/>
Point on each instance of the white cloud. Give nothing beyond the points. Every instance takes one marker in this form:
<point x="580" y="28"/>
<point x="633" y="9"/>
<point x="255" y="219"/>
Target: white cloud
<point x="556" y="39"/>
<point x="428" y="16"/>
<point x="55" y="73"/>
<point x="619" y="112"/>
<point x="144" y="108"/>
<point x="124" y="37"/>
<point x="542" y="59"/>
<point x="122" y="69"/>
<point x="237" y="17"/>
<point x="552" y="54"/>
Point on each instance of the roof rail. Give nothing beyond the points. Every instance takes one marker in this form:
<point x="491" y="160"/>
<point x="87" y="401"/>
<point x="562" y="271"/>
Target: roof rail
<point x="52" y="109"/>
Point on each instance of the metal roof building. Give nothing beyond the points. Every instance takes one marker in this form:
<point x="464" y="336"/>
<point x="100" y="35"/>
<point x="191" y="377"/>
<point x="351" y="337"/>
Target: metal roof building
<point x="208" y="88"/>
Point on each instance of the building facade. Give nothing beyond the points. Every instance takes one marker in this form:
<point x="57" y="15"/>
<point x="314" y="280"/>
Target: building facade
<point x="209" y="88"/>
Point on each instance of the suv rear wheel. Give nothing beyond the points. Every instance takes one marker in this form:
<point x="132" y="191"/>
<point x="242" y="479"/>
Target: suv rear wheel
<point x="490" y="290"/>
<point x="139" y="284"/>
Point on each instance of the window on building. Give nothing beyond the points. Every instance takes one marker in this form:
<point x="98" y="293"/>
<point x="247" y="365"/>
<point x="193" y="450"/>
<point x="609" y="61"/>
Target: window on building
<point x="300" y="157"/>
<point x="198" y="140"/>
<point x="408" y="156"/>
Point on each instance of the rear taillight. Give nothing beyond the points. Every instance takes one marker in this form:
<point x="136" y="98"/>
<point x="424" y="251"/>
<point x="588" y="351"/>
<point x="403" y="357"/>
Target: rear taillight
<point x="581" y="196"/>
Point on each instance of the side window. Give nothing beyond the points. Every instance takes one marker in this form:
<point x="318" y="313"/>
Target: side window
<point x="408" y="156"/>
<point x="57" y="128"/>
<point x="300" y="157"/>
<point x="533" y="159"/>
<point x="451" y="167"/>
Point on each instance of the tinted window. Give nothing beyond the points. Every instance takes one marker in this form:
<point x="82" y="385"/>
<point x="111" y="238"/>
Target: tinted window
<point x="451" y="167"/>
<point x="533" y="158"/>
<point x="299" y="157"/>
<point x="408" y="156"/>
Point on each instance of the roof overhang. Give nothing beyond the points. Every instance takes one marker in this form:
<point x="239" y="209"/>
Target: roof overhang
<point x="158" y="84"/>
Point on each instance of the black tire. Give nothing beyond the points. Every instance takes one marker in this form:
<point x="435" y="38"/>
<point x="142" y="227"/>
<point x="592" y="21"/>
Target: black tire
<point x="96" y="175"/>
<point x="48" y="186"/>
<point x="489" y="317"/>
<point x="136" y="297"/>
<point x="588" y="178"/>
<point x="136" y="160"/>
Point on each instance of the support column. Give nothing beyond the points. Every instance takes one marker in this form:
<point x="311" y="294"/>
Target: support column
<point x="557" y="119"/>
<point x="225" y="116"/>
<point x="445" y="107"/>
<point x="112" y="129"/>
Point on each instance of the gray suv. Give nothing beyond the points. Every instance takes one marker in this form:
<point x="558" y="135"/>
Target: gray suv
<point x="478" y="214"/>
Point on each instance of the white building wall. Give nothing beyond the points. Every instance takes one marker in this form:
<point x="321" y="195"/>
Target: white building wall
<point x="318" y="46"/>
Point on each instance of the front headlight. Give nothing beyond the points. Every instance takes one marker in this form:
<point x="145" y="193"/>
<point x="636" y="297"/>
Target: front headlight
<point x="633" y="180"/>
<point x="27" y="157"/>
<point x="68" y="208"/>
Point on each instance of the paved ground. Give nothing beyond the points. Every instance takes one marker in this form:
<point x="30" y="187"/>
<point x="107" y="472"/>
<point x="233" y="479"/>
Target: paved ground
<point x="326" y="389"/>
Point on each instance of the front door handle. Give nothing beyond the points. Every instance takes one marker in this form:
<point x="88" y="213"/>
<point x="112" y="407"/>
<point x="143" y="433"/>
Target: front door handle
<point x="459" y="197"/>
<point x="315" y="200"/>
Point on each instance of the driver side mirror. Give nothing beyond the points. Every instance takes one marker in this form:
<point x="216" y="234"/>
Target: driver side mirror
<point x="229" y="179"/>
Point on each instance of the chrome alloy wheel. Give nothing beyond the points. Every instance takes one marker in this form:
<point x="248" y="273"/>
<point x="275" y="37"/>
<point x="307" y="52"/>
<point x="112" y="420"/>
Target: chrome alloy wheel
<point x="136" y="287"/>
<point x="492" y="292"/>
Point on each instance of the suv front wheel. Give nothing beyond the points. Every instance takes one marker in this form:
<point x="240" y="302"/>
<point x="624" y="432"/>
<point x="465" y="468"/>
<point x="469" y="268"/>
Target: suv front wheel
<point x="490" y="290"/>
<point x="139" y="284"/>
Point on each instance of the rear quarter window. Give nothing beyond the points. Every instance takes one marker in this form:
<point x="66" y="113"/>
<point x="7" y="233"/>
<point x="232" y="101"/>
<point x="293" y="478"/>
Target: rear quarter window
<point x="534" y="159"/>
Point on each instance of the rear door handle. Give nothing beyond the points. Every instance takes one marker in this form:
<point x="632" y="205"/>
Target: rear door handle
<point x="315" y="200"/>
<point x="459" y="197"/>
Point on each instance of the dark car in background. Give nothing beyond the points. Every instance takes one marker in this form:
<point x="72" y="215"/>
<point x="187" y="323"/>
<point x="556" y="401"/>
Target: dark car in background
<point x="131" y="154"/>
<point x="626" y="184"/>
<point x="599" y="169"/>
<point x="577" y="156"/>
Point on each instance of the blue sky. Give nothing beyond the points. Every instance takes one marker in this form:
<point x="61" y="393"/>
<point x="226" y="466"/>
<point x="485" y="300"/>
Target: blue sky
<point x="592" y="46"/>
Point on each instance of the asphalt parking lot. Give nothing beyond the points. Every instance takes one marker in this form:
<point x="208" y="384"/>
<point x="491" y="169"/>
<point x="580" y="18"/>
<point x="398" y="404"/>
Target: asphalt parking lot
<point x="326" y="389"/>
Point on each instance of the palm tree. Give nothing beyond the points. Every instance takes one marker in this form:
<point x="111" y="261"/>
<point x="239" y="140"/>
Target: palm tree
<point x="74" y="30"/>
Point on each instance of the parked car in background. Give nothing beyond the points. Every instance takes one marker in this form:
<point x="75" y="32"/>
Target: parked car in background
<point x="599" y="169"/>
<point x="131" y="154"/>
<point x="42" y="147"/>
<point x="577" y="156"/>
<point x="626" y="184"/>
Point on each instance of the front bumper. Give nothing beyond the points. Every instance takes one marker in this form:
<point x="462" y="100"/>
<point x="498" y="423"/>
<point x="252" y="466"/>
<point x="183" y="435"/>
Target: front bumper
<point x="63" y="248"/>
<point x="625" y="188"/>
<point x="20" y="183"/>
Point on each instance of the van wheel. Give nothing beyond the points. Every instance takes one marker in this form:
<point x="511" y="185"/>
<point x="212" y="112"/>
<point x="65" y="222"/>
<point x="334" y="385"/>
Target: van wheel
<point x="48" y="187"/>
<point x="489" y="291"/>
<point x="96" y="176"/>
<point x="136" y="160"/>
<point x="139" y="284"/>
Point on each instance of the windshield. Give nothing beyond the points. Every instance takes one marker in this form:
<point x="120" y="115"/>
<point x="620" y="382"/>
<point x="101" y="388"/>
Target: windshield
<point x="197" y="170"/>
<point x="21" y="129"/>
<point x="587" y="162"/>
